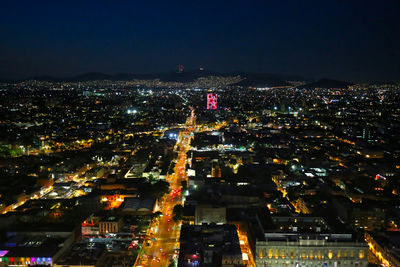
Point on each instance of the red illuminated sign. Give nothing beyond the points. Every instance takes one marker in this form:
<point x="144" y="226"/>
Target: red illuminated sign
<point x="211" y="101"/>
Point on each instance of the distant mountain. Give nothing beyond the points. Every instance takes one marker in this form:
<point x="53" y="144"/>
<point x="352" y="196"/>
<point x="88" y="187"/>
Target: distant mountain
<point x="326" y="83"/>
<point x="92" y="76"/>
<point x="187" y="76"/>
<point x="249" y="78"/>
<point x="261" y="79"/>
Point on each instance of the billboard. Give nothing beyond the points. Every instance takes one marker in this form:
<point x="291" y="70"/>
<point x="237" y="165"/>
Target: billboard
<point x="211" y="101"/>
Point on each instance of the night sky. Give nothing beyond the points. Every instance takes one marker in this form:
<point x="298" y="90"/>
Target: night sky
<point x="348" y="40"/>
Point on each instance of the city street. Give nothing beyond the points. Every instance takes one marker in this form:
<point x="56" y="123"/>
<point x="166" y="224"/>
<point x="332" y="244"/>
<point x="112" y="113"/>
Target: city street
<point x="162" y="241"/>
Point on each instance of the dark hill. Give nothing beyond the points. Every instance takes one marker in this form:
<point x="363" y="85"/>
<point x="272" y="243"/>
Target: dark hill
<point x="326" y="83"/>
<point x="260" y="79"/>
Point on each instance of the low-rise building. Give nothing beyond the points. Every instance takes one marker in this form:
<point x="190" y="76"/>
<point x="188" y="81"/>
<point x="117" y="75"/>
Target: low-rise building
<point x="33" y="248"/>
<point x="209" y="245"/>
<point x="139" y="206"/>
<point x="308" y="241"/>
<point x="110" y="224"/>
<point x="83" y="254"/>
<point x="210" y="214"/>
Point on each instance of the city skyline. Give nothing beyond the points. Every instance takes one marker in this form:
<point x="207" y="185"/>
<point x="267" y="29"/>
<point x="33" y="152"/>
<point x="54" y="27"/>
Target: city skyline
<point x="199" y="133"/>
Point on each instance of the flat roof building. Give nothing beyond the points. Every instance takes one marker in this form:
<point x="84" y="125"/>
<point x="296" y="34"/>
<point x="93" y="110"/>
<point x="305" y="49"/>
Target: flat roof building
<point x="309" y="241"/>
<point x="209" y="245"/>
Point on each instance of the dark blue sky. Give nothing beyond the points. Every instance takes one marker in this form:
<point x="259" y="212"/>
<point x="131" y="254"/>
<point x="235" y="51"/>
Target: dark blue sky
<point x="349" y="39"/>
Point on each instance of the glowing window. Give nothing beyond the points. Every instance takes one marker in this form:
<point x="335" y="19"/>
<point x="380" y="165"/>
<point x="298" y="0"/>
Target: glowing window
<point x="330" y="254"/>
<point x="270" y="253"/>
<point x="361" y="254"/>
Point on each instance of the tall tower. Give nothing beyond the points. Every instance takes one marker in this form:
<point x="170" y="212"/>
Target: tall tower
<point x="211" y="101"/>
<point x="180" y="68"/>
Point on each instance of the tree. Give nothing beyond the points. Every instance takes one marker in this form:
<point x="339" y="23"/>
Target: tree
<point x="177" y="212"/>
<point x="161" y="188"/>
<point x="172" y="263"/>
<point x="155" y="190"/>
<point x="151" y="179"/>
<point x="157" y="214"/>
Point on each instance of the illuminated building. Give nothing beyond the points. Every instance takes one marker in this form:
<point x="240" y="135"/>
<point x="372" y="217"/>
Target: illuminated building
<point x="384" y="246"/>
<point x="211" y="101"/>
<point x="139" y="206"/>
<point x="210" y="214"/>
<point x="90" y="226"/>
<point x="110" y="225"/>
<point x="135" y="171"/>
<point x="34" y="248"/>
<point x="309" y="241"/>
